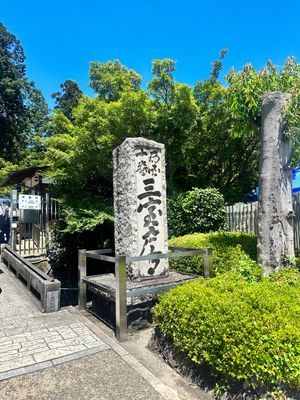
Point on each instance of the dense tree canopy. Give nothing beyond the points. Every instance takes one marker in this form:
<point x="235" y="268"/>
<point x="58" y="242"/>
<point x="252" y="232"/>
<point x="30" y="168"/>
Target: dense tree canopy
<point x="22" y="107"/>
<point x="211" y="132"/>
<point x="69" y="98"/>
<point x="109" y="80"/>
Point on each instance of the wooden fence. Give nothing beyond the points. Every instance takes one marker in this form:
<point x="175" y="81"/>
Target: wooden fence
<point x="243" y="218"/>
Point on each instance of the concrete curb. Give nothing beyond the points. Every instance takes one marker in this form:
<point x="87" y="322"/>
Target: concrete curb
<point x="47" y="364"/>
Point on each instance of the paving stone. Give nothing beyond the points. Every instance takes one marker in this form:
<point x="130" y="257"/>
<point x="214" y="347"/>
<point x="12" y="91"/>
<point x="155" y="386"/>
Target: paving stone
<point x="29" y="337"/>
<point x="34" y="351"/>
<point x="33" y="343"/>
<point x="55" y="353"/>
<point x="54" y="338"/>
<point x="21" y="340"/>
<point x="14" y="346"/>
<point x="33" y="348"/>
<point x="8" y="355"/>
<point x="67" y="342"/>
<point x="91" y="344"/>
<point x="5" y="340"/>
<point x="38" y="334"/>
<point x="16" y="363"/>
<point x="68" y="334"/>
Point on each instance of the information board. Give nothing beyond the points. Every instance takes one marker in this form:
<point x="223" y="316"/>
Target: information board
<point x="29" y="202"/>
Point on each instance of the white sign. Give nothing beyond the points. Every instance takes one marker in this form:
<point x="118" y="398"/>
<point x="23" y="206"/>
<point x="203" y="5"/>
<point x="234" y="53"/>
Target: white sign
<point x="29" y="202"/>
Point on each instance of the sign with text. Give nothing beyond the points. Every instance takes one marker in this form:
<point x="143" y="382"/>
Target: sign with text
<point x="29" y="202"/>
<point x="140" y="206"/>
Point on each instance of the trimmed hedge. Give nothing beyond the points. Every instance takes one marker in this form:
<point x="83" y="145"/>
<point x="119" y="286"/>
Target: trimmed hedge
<point x="247" y="332"/>
<point x="232" y="251"/>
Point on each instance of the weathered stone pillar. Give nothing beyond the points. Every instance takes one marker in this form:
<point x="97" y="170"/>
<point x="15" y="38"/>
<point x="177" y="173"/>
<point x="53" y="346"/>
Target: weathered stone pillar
<point x="140" y="205"/>
<point x="275" y="208"/>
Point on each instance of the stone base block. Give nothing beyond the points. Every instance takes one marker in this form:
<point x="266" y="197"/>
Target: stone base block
<point x="141" y="297"/>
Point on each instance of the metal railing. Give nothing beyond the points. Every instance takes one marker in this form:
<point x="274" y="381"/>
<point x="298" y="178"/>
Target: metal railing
<point x="121" y="262"/>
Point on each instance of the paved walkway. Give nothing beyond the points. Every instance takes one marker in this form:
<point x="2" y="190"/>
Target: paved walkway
<point x="31" y="340"/>
<point x="68" y="356"/>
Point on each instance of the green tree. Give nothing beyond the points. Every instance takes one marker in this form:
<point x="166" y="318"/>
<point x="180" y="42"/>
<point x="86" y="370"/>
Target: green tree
<point x="109" y="80"/>
<point x="223" y="149"/>
<point x="80" y="151"/>
<point x="23" y="110"/>
<point x="247" y="88"/>
<point x="162" y="85"/>
<point x="13" y="121"/>
<point x="68" y="98"/>
<point x="176" y="112"/>
<point x="5" y="168"/>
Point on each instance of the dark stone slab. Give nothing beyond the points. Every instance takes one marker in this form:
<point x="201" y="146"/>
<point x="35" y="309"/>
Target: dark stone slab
<point x="141" y="297"/>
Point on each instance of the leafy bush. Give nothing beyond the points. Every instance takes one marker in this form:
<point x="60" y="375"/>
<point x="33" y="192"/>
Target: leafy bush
<point x="248" y="332"/>
<point x="86" y="214"/>
<point x="232" y="251"/>
<point x="199" y="210"/>
<point x="62" y="246"/>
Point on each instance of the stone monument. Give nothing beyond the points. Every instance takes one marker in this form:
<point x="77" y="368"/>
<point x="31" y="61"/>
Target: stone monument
<point x="140" y="206"/>
<point x="127" y="296"/>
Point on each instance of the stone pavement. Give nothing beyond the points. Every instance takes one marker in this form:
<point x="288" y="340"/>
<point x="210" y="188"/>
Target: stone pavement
<point x="31" y="340"/>
<point x="69" y="355"/>
<point x="101" y="376"/>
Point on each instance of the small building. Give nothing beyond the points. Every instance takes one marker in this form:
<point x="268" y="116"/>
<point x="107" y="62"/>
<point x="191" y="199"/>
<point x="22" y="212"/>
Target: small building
<point x="31" y="223"/>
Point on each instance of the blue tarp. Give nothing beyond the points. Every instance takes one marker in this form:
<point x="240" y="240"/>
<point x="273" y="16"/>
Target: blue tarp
<point x="295" y="184"/>
<point x="296" y="180"/>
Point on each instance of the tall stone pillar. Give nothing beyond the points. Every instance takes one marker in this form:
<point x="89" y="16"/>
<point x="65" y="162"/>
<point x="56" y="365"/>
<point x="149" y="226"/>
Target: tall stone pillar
<point x="275" y="207"/>
<point x="140" y="205"/>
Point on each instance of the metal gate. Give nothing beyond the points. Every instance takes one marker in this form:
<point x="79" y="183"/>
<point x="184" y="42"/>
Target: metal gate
<point x="32" y="232"/>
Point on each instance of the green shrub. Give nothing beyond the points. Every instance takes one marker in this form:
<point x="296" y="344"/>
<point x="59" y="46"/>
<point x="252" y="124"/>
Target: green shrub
<point x="232" y="251"/>
<point x="199" y="210"/>
<point x="248" y="332"/>
<point x="62" y="246"/>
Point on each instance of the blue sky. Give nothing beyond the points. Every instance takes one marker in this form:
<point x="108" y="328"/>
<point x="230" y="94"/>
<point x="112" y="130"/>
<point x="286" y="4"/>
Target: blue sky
<point x="60" y="38"/>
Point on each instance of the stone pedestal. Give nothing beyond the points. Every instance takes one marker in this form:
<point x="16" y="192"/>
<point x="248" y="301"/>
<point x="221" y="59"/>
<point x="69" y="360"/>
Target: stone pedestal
<point x="140" y="205"/>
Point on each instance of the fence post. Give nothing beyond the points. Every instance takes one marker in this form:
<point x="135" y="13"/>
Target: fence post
<point x="121" y="298"/>
<point x="81" y="274"/>
<point x="50" y="296"/>
<point x="47" y="216"/>
<point x="208" y="264"/>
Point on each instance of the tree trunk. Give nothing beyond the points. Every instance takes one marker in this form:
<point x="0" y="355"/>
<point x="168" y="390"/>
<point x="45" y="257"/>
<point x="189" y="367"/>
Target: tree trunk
<point x="275" y="208"/>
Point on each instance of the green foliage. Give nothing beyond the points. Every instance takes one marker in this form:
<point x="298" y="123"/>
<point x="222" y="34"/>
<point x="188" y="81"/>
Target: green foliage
<point x="162" y="85"/>
<point x="62" y="248"/>
<point x="69" y="98"/>
<point x="246" y="90"/>
<point x="5" y="168"/>
<point x="211" y="134"/>
<point x="175" y="216"/>
<point x="111" y="79"/>
<point x="87" y="142"/>
<point x="221" y="151"/>
<point x="232" y="251"/>
<point x="199" y="210"/>
<point x="247" y="332"/>
<point x="86" y="214"/>
<point x="85" y="223"/>
<point x="22" y="107"/>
